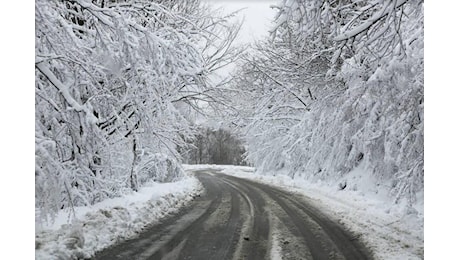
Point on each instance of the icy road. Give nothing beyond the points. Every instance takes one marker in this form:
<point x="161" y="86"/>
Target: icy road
<point x="240" y="219"/>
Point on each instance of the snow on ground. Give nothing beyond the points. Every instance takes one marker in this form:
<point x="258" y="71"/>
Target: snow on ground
<point x="390" y="231"/>
<point x="105" y="223"/>
<point x="275" y="252"/>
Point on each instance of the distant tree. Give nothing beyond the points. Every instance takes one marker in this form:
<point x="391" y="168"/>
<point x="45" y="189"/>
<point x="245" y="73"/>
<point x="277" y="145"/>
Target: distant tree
<point x="216" y="147"/>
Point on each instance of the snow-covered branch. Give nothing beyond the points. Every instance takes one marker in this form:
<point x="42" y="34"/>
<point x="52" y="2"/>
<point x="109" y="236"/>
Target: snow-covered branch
<point x="114" y="79"/>
<point x="388" y="7"/>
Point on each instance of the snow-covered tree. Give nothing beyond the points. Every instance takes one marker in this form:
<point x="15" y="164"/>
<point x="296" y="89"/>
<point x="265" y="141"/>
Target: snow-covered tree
<point x="215" y="146"/>
<point x="339" y="85"/>
<point x="114" y="83"/>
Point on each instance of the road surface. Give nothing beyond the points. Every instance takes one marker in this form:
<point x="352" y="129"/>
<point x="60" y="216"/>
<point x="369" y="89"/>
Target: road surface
<point x="240" y="219"/>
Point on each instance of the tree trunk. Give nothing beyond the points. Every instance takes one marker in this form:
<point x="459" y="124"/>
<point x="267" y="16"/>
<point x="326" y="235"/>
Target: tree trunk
<point x="133" y="175"/>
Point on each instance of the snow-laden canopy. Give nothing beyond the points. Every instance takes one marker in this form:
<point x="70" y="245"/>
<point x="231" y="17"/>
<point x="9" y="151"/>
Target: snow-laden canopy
<point x="115" y="84"/>
<point x="339" y="85"/>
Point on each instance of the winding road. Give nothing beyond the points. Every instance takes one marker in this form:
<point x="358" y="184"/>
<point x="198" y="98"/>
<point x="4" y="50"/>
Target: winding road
<point x="240" y="219"/>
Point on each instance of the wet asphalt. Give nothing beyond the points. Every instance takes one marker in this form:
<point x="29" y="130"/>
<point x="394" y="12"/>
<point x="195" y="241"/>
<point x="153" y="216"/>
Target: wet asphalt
<point x="241" y="219"/>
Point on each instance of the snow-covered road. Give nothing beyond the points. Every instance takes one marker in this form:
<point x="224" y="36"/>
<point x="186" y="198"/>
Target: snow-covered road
<point x="234" y="217"/>
<point x="391" y="231"/>
<point x="240" y="219"/>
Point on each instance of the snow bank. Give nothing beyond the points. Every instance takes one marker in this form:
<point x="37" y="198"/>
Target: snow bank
<point x="390" y="231"/>
<point x="112" y="220"/>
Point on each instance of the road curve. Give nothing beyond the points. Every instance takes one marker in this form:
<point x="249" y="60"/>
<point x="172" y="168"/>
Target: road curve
<point x="240" y="219"/>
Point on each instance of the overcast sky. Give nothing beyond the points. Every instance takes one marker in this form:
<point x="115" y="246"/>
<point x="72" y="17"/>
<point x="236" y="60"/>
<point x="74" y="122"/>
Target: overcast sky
<point x="257" y="16"/>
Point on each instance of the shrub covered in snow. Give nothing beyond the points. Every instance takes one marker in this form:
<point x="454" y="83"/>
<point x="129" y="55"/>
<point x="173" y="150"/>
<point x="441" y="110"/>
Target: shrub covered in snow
<point x="158" y="167"/>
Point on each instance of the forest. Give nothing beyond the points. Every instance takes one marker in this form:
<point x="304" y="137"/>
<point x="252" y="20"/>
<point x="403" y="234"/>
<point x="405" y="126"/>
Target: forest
<point x="119" y="85"/>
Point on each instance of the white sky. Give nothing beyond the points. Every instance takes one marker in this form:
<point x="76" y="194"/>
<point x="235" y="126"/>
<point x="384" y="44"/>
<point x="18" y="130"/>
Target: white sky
<point x="257" y="17"/>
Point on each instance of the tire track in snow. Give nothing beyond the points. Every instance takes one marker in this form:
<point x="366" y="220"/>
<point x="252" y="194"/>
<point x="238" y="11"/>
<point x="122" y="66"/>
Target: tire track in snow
<point x="240" y="219"/>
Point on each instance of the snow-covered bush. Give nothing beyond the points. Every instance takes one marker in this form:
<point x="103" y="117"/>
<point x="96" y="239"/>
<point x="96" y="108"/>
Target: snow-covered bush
<point x="158" y="167"/>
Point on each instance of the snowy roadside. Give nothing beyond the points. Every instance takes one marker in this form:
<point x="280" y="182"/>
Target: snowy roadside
<point x="390" y="231"/>
<point x="112" y="220"/>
